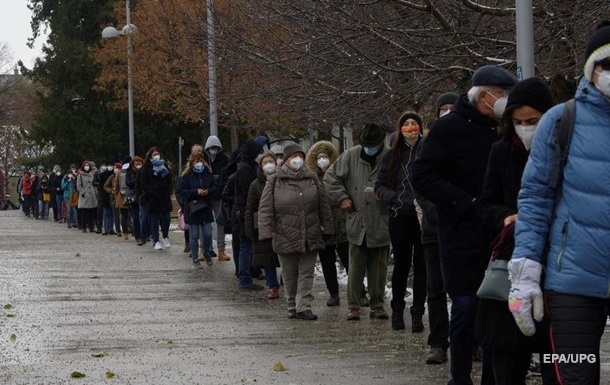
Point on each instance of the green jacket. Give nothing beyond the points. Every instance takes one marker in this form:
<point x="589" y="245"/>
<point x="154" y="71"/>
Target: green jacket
<point x="352" y="177"/>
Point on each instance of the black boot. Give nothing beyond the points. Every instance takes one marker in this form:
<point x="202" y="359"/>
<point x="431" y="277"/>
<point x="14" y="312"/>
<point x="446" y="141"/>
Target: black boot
<point x="398" y="310"/>
<point x="417" y="325"/>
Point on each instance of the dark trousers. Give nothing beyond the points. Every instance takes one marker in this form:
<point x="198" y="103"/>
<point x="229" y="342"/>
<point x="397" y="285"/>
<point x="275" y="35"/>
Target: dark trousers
<point x="510" y="368"/>
<point x="328" y="259"/>
<point x="577" y="325"/>
<point x="135" y="217"/>
<point x="89" y="217"/>
<point x="438" y="316"/>
<point x="461" y="334"/>
<point x="406" y="246"/>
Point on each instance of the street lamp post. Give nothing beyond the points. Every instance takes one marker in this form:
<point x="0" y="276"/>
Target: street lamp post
<point x="212" y="70"/>
<point x="128" y="30"/>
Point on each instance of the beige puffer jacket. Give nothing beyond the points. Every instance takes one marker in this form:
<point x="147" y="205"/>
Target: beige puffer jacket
<point x="294" y="212"/>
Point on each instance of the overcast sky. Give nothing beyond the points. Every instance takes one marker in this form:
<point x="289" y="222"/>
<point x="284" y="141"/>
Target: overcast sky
<point x="15" y="31"/>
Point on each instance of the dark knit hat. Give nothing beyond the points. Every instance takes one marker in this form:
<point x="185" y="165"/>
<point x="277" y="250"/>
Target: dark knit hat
<point x="127" y="159"/>
<point x="446" y="98"/>
<point x="292" y="148"/>
<point x="372" y="135"/>
<point x="491" y="75"/>
<point x="72" y="166"/>
<point x="410" y="115"/>
<point x="598" y="47"/>
<point x="531" y="92"/>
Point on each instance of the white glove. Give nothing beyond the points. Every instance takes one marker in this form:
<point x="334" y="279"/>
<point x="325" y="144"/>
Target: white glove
<point x="525" y="295"/>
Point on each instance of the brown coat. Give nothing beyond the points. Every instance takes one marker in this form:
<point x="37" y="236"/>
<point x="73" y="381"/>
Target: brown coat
<point x="294" y="211"/>
<point x="262" y="250"/>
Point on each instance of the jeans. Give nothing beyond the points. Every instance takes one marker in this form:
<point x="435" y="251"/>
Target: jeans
<point x="59" y="200"/>
<point x="135" y="215"/>
<point x="245" y="261"/>
<point x="438" y="316"/>
<point x="43" y="209"/>
<point x="71" y="218"/>
<point x="461" y="335"/>
<point x="216" y="204"/>
<point x="163" y="218"/>
<point x="271" y="277"/>
<point x="145" y="222"/>
<point x="108" y="219"/>
<point x="196" y="232"/>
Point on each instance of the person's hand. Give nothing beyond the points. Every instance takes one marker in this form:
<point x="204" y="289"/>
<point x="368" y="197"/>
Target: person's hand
<point x="510" y="219"/>
<point x="376" y="197"/>
<point x="202" y="192"/>
<point x="525" y="296"/>
<point x="346" y="204"/>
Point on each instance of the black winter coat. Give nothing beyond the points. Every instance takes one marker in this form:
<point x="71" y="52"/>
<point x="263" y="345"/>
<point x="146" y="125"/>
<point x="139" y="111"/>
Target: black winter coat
<point x="262" y="251"/>
<point x="449" y="171"/>
<point x="188" y="192"/>
<point x="156" y="191"/>
<point x="103" y="196"/>
<point x="245" y="174"/>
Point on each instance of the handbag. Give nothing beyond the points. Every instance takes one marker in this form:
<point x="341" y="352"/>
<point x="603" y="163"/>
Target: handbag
<point x="181" y="224"/>
<point x="73" y="199"/>
<point x="46" y="197"/>
<point x="197" y="205"/>
<point x="496" y="284"/>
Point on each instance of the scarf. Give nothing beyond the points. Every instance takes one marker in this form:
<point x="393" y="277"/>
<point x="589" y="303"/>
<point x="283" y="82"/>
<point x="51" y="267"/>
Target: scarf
<point x="159" y="167"/>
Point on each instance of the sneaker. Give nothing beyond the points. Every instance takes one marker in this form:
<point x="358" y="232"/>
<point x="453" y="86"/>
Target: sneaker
<point x="140" y="242"/>
<point x="208" y="260"/>
<point x="333" y="301"/>
<point x="378" y="313"/>
<point x="166" y="243"/>
<point x="273" y="294"/>
<point x="534" y="369"/>
<point x="353" y="315"/>
<point x="436" y="356"/>
<point x="252" y="287"/>
<point x="307" y="315"/>
<point x="197" y="265"/>
<point x="158" y="246"/>
<point x="222" y="256"/>
<point x="119" y="234"/>
<point x="292" y="313"/>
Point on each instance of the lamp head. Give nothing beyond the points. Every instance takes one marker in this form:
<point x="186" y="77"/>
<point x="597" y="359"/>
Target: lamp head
<point x="109" y="32"/>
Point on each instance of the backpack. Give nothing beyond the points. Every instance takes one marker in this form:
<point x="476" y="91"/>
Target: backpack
<point x="564" y="127"/>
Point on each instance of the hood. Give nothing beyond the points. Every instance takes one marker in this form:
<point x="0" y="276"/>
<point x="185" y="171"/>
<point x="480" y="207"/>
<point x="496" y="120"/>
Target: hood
<point x="318" y="147"/>
<point x="250" y="150"/>
<point x="212" y="141"/>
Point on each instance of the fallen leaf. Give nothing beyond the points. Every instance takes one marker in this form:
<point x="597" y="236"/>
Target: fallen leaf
<point x="170" y="342"/>
<point x="248" y="380"/>
<point x="99" y="355"/>
<point x="10" y="315"/>
<point x="8" y="306"/>
<point x="13" y="337"/>
<point x="109" y="374"/>
<point x="279" y="367"/>
<point x="77" y="375"/>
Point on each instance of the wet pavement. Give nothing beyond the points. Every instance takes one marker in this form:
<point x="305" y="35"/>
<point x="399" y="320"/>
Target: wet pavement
<point x="100" y="305"/>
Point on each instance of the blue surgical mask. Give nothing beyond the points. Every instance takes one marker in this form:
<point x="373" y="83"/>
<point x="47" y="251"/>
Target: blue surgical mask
<point x="370" y="151"/>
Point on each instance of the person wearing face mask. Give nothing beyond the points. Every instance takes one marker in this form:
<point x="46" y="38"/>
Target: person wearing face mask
<point x="295" y="213"/>
<point x="319" y="159"/>
<point x="104" y="195"/>
<point x="278" y="151"/>
<point x="157" y="188"/>
<point x="218" y="160"/>
<point x="394" y="188"/>
<point x="131" y="197"/>
<point x="87" y="201"/>
<point x="444" y="103"/>
<point x="448" y="171"/>
<point x="198" y="184"/>
<point x="70" y="196"/>
<point x="563" y="231"/>
<point x="57" y="195"/>
<point x="262" y="250"/>
<point x="350" y="184"/>
<point x="528" y="100"/>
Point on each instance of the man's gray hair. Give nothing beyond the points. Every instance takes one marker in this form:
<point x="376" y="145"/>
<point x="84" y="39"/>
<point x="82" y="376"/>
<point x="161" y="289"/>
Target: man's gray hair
<point x="473" y="93"/>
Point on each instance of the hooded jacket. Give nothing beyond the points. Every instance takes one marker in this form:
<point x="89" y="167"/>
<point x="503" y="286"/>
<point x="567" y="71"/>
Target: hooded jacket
<point x="577" y="262"/>
<point x="218" y="161"/>
<point x="339" y="216"/>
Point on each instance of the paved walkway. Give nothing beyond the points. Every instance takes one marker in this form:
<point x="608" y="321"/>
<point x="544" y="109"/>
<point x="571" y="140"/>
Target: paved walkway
<point x="155" y="320"/>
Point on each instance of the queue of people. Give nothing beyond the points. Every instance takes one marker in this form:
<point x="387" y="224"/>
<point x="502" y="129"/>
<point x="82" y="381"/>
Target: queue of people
<point x="482" y="184"/>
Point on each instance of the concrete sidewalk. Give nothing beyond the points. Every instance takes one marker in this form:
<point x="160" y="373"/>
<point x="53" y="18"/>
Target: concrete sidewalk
<point x="155" y="320"/>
